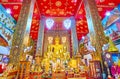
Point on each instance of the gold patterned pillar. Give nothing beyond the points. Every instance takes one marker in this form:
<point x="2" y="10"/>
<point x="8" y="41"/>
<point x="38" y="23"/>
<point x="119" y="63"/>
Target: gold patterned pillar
<point x="96" y="30"/>
<point x="21" y="34"/>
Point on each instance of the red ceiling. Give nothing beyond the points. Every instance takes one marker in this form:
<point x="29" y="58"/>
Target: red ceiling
<point x="57" y="7"/>
<point x="60" y="8"/>
<point x="15" y="9"/>
<point x="35" y="23"/>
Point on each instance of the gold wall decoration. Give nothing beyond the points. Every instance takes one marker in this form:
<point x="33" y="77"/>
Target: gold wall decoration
<point x="22" y="29"/>
<point x="50" y="40"/>
<point x="58" y="3"/>
<point x="96" y="30"/>
<point x="15" y="7"/>
<point x="64" y="39"/>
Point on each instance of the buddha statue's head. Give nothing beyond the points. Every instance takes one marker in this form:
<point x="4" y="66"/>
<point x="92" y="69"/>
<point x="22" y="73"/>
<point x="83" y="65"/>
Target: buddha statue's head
<point x="57" y="39"/>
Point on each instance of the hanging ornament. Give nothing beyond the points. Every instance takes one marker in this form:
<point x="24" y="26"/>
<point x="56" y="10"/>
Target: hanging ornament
<point x="67" y="23"/>
<point x="58" y="3"/>
<point x="49" y="23"/>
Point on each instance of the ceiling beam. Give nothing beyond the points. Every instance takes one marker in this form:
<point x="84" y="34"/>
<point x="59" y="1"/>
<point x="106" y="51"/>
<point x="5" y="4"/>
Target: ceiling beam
<point x="10" y="2"/>
<point x="79" y="6"/>
<point x="38" y="8"/>
<point x="111" y="6"/>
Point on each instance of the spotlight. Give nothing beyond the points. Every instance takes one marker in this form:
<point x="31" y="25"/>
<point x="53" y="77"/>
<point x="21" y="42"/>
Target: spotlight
<point x="83" y="37"/>
<point x="8" y="11"/>
<point x="67" y="23"/>
<point x="107" y="14"/>
<point x="49" y="23"/>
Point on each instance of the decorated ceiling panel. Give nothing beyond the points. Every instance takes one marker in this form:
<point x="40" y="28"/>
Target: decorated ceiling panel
<point x="57" y="7"/>
<point x="35" y="23"/>
<point x="60" y="8"/>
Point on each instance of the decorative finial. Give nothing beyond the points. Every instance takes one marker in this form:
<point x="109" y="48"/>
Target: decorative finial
<point x="57" y="38"/>
<point x="112" y="47"/>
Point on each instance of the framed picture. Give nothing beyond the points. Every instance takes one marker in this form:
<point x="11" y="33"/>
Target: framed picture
<point x="1" y="56"/>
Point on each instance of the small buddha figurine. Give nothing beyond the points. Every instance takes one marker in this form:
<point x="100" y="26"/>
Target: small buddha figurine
<point x="47" y="65"/>
<point x="49" y="52"/>
<point x="59" y="66"/>
<point x="66" y="54"/>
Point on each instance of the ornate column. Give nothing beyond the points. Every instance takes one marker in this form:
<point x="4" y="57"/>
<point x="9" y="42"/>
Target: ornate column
<point x="40" y="36"/>
<point x="96" y="30"/>
<point x="21" y="34"/>
<point x="74" y="36"/>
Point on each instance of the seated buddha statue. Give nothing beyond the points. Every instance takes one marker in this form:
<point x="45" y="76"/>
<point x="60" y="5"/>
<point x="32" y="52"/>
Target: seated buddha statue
<point x="59" y="66"/>
<point x="46" y="63"/>
<point x="56" y="54"/>
<point x="57" y="48"/>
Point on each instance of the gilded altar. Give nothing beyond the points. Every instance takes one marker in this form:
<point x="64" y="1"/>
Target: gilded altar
<point x="56" y="55"/>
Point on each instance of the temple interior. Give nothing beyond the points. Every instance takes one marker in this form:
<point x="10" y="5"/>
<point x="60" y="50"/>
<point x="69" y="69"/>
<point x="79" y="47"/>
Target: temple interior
<point x="59" y="39"/>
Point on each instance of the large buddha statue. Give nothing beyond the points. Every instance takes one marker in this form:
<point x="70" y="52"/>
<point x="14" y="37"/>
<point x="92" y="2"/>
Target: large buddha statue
<point x="56" y="54"/>
<point x="57" y="48"/>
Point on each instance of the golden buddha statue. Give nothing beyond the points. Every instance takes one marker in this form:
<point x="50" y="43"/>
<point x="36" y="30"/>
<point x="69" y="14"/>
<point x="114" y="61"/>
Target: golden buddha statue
<point x="48" y="54"/>
<point x="46" y="64"/>
<point x="73" y="63"/>
<point x="47" y="58"/>
<point x="66" y="54"/>
<point x="57" y="48"/>
<point x="56" y="54"/>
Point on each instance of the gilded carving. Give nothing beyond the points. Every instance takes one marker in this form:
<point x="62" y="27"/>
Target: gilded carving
<point x="20" y="32"/>
<point x="97" y="33"/>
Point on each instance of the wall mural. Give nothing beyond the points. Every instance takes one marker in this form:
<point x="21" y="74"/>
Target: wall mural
<point x="111" y="24"/>
<point x="7" y="25"/>
<point x="7" y="28"/>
